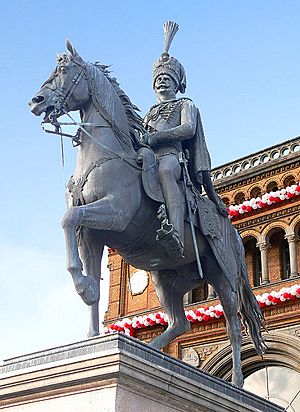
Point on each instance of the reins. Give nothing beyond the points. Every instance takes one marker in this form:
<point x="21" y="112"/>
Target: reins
<point x="59" y="110"/>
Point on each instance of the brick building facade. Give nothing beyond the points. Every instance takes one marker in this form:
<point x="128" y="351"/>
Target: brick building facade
<point x="261" y="193"/>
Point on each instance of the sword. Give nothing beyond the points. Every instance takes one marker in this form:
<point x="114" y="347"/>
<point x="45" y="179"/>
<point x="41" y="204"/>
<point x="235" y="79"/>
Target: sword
<point x="183" y="159"/>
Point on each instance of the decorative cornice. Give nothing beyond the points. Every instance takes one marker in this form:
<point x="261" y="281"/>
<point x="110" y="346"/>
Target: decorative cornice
<point x="262" y="218"/>
<point x="257" y="161"/>
<point x="206" y="314"/>
<point x="266" y="200"/>
<point x="241" y="181"/>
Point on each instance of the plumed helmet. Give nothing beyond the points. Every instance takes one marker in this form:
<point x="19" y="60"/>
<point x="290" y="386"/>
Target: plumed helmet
<point x="167" y="64"/>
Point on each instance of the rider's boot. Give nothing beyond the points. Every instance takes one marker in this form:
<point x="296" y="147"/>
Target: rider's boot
<point x="171" y="233"/>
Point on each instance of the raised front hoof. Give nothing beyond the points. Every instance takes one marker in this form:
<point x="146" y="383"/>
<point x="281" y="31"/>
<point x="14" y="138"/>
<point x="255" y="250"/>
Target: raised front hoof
<point x="88" y="289"/>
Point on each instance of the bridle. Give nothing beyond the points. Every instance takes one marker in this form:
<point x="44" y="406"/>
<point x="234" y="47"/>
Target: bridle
<point x="60" y="108"/>
<point x="64" y="96"/>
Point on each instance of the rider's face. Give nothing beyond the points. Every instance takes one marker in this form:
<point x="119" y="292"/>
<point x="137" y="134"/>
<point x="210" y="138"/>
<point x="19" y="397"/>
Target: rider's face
<point x="165" y="84"/>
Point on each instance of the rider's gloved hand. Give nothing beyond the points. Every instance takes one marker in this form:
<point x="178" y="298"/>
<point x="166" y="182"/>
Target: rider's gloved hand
<point x="152" y="138"/>
<point x="222" y="209"/>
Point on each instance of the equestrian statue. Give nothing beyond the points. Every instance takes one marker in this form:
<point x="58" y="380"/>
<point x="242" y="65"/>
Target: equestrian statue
<point x="138" y="188"/>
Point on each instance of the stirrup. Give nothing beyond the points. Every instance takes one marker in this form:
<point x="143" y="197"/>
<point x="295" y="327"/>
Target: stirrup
<point x="177" y="245"/>
<point x="170" y="240"/>
<point x="165" y="232"/>
<point x="167" y="235"/>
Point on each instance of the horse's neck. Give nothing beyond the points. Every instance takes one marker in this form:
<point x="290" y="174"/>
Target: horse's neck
<point x="101" y="141"/>
<point x="106" y="100"/>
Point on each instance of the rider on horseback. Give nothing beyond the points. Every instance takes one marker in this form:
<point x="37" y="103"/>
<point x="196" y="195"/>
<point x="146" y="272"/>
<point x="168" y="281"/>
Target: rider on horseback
<point x="174" y="125"/>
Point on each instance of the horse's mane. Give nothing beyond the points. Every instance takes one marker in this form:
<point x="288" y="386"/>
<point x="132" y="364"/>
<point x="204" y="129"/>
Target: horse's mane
<point x="135" y="121"/>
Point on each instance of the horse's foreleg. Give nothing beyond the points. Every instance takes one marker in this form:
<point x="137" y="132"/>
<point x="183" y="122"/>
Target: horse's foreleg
<point x="91" y="251"/>
<point x="229" y="301"/>
<point x="84" y="285"/>
<point x="103" y="214"/>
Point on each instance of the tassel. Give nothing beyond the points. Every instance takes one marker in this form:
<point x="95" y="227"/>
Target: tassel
<point x="170" y="29"/>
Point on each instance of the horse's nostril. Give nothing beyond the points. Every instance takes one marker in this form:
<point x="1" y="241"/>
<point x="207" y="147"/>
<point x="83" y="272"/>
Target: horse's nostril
<point x="38" y="99"/>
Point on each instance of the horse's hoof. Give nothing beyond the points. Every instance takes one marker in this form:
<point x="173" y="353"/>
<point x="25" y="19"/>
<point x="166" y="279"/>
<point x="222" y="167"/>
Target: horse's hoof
<point x="92" y="334"/>
<point x="88" y="289"/>
<point x="238" y="380"/>
<point x="155" y="344"/>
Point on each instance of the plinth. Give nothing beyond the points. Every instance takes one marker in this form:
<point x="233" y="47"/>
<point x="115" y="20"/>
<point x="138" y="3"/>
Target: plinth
<point x="116" y="373"/>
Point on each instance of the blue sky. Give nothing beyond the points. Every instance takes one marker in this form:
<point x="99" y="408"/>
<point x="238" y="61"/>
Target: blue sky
<point x="242" y="60"/>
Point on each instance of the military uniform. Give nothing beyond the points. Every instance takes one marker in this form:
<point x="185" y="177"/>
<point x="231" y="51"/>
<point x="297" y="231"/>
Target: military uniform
<point x="171" y="123"/>
<point x="174" y="125"/>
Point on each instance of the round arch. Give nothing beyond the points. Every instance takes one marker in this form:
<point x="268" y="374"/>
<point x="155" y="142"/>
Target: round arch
<point x="249" y="233"/>
<point x="294" y="224"/>
<point x="239" y="197"/>
<point x="283" y="350"/>
<point x="271" y="228"/>
<point x="268" y="184"/>
<point x="287" y="179"/>
<point x="255" y="191"/>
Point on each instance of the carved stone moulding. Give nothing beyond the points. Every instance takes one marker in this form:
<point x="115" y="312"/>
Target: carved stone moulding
<point x="270" y="155"/>
<point x="283" y="350"/>
<point x="262" y="218"/>
<point x="195" y="356"/>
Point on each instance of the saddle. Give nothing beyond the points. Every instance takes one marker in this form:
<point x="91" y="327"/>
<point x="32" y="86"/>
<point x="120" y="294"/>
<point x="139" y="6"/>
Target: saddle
<point x="218" y="230"/>
<point x="204" y="212"/>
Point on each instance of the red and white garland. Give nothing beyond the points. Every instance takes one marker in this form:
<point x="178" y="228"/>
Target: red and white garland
<point x="266" y="200"/>
<point x="128" y="326"/>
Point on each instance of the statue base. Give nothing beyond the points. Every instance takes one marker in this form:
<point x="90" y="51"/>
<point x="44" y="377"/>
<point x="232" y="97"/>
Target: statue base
<point x="116" y="373"/>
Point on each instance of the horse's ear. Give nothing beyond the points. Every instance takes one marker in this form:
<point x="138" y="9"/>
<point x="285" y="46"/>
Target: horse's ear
<point x="71" y="48"/>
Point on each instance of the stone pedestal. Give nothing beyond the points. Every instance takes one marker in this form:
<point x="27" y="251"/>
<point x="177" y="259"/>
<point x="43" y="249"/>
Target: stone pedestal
<point x="115" y="373"/>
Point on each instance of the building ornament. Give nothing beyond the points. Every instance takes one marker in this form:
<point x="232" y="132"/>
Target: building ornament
<point x="201" y="314"/>
<point x="191" y="357"/>
<point x="294" y="332"/>
<point x="265" y="200"/>
<point x="264" y="245"/>
<point x="292" y="238"/>
<point x="267" y="217"/>
<point x="205" y="352"/>
<point x="268" y="156"/>
<point x="242" y="182"/>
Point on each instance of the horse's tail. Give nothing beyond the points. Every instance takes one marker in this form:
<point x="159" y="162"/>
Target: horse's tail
<point x="250" y="311"/>
<point x="252" y="316"/>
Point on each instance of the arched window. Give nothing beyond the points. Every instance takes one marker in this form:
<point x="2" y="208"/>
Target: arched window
<point x="278" y="384"/>
<point x="285" y="259"/>
<point x="272" y="187"/>
<point x="225" y="200"/>
<point x="279" y="262"/>
<point x="253" y="261"/>
<point x="200" y="293"/>
<point x="239" y="198"/>
<point x="255" y="192"/>
<point x="256" y="267"/>
<point x="289" y="181"/>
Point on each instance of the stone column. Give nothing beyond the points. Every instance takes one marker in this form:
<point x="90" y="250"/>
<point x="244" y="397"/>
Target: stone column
<point x="263" y="247"/>
<point x="188" y="298"/>
<point x="292" y="241"/>
<point x="210" y="292"/>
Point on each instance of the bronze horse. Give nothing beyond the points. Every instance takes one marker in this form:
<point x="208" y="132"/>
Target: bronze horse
<point x="107" y="205"/>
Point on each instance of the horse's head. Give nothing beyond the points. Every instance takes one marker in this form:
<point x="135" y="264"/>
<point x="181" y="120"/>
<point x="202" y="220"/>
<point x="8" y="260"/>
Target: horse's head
<point x="65" y="90"/>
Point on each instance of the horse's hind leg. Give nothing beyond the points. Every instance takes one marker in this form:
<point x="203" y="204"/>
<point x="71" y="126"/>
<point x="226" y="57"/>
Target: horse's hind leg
<point x="91" y="250"/>
<point x="229" y="301"/>
<point x="170" y="288"/>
